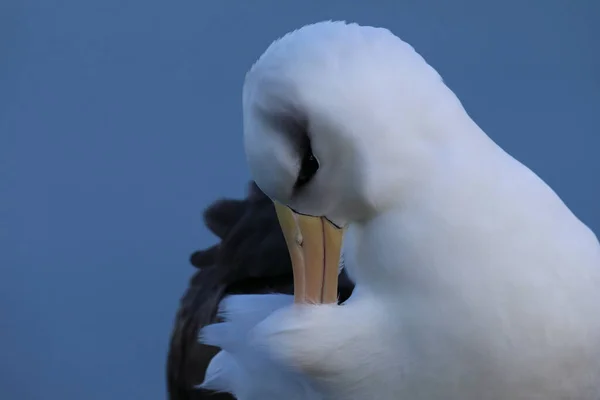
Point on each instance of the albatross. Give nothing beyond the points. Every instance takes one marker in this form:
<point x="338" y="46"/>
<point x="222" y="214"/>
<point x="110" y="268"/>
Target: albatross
<point x="473" y="279"/>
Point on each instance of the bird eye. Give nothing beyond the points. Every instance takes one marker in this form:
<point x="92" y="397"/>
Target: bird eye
<point x="308" y="168"/>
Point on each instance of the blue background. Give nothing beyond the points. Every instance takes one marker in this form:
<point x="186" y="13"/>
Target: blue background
<point x="121" y="119"/>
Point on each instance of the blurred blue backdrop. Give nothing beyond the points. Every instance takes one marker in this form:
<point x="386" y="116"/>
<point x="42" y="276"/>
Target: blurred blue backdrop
<point x="121" y="119"/>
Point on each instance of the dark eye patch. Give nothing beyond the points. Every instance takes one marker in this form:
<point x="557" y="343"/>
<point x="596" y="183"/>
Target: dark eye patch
<point x="308" y="167"/>
<point x="296" y="131"/>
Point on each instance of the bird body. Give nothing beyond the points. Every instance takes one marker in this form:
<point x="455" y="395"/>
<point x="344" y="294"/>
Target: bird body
<point x="473" y="279"/>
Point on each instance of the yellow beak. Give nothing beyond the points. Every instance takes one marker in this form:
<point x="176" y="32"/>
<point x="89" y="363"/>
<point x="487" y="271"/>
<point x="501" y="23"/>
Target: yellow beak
<point x="315" y="246"/>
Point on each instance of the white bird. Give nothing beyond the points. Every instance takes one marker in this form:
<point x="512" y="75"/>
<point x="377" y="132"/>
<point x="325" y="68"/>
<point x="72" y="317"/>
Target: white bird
<point x="473" y="279"/>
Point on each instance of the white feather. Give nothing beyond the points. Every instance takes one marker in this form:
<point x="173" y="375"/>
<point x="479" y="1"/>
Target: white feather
<point x="243" y="368"/>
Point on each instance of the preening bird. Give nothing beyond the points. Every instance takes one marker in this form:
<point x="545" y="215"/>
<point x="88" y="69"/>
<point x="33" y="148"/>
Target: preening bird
<point x="473" y="279"/>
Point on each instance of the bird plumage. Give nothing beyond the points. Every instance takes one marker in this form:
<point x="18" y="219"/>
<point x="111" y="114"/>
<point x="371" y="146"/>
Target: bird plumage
<point x="473" y="278"/>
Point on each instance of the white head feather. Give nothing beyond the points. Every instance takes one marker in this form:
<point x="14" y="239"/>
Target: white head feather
<point x="370" y="105"/>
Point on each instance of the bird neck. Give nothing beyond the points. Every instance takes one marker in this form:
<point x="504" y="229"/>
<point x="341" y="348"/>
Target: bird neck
<point x="482" y="214"/>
